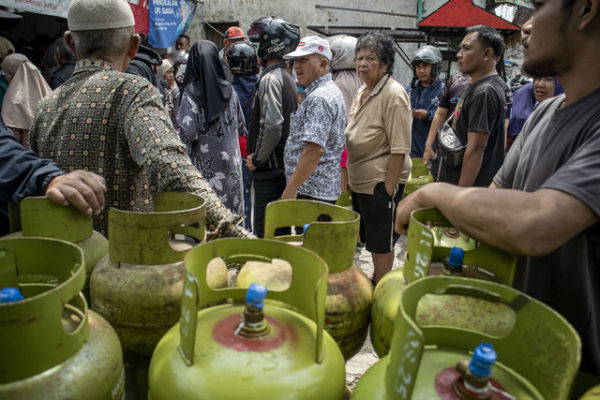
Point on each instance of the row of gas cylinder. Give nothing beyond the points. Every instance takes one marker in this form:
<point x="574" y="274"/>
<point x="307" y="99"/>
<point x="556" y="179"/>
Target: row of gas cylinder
<point x="186" y="334"/>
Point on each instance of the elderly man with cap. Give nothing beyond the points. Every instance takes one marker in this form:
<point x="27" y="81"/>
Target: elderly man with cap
<point x="317" y="130"/>
<point x="114" y="124"/>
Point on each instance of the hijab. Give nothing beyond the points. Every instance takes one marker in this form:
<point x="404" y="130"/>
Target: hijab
<point x="523" y="105"/>
<point x="205" y="78"/>
<point x="25" y="90"/>
<point x="164" y="67"/>
<point x="11" y="64"/>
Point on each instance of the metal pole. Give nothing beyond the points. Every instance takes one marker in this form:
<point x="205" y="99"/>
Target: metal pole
<point x="364" y="11"/>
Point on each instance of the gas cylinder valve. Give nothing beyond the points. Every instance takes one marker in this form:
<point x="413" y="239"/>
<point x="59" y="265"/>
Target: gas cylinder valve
<point x="253" y="324"/>
<point x="474" y="382"/>
<point x="454" y="264"/>
<point x="10" y="295"/>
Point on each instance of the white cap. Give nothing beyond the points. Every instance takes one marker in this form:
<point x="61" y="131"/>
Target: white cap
<point x="88" y="15"/>
<point x="311" y="45"/>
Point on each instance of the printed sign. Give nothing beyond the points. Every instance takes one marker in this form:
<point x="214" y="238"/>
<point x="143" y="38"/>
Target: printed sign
<point x="169" y="19"/>
<point x="140" y="14"/>
<point x="47" y="7"/>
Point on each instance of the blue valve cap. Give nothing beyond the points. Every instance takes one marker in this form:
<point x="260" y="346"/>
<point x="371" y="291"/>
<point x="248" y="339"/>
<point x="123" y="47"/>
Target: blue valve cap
<point x="483" y="359"/>
<point x="305" y="227"/>
<point x="456" y="257"/>
<point x="256" y="295"/>
<point x="10" y="295"/>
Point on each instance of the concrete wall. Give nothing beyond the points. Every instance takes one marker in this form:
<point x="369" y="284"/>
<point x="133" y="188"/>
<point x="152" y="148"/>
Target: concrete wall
<point x="321" y="12"/>
<point x="314" y="12"/>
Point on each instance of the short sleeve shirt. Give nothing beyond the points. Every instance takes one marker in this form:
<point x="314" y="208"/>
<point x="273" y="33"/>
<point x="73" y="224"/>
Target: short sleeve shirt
<point x="482" y="109"/>
<point x="560" y="149"/>
<point x="378" y="127"/>
<point x="453" y="91"/>
<point x="320" y="119"/>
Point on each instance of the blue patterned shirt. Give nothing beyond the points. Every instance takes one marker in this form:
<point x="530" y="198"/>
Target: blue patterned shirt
<point x="320" y="119"/>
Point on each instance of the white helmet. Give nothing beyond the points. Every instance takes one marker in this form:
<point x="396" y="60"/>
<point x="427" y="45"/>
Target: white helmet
<point x="342" y="50"/>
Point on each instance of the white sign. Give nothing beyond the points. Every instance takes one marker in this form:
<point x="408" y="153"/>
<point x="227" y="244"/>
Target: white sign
<point x="48" y="7"/>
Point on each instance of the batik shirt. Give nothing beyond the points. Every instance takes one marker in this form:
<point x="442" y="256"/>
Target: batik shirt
<point x="214" y="147"/>
<point x="114" y="124"/>
<point x="320" y="119"/>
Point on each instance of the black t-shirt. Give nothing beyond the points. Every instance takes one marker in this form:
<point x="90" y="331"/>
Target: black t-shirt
<point x="560" y="149"/>
<point x="453" y="91"/>
<point x="482" y="109"/>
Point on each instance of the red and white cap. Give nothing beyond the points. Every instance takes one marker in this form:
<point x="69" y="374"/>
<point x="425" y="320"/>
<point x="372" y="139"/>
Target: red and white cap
<point x="311" y="45"/>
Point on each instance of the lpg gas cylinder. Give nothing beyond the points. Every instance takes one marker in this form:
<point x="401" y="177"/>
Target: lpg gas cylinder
<point x="592" y="394"/>
<point x="332" y="234"/>
<point x="252" y="351"/>
<point x="137" y="286"/>
<point x="523" y="349"/>
<point x="419" y="177"/>
<point x="52" y="346"/>
<point x="426" y="247"/>
<point x="345" y="200"/>
<point x="43" y="218"/>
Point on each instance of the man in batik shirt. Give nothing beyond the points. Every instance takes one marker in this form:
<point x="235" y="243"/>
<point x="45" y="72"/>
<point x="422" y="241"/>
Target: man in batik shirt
<point x="114" y="124"/>
<point x="317" y="130"/>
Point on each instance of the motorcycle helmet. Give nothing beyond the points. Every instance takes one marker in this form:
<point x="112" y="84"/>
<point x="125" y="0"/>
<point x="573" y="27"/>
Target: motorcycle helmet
<point x="428" y="55"/>
<point x="241" y="58"/>
<point x="342" y="50"/>
<point x="275" y="36"/>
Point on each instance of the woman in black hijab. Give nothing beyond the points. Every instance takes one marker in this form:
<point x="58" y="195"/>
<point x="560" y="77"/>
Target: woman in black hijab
<point x="210" y="119"/>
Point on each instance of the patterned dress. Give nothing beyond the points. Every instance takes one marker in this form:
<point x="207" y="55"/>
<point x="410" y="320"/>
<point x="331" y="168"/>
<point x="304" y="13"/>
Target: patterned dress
<point x="214" y="148"/>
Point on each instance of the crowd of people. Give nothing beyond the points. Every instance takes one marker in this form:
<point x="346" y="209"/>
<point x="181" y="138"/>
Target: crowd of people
<point x="308" y="118"/>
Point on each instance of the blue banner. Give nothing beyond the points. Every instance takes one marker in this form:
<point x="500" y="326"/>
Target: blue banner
<point x="169" y="19"/>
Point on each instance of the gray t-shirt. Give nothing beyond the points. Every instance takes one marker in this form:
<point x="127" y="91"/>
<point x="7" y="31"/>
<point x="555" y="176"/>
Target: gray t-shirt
<point x="560" y="149"/>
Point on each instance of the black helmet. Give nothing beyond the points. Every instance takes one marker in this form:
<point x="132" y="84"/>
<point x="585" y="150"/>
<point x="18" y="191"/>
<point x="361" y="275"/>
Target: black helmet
<point x="428" y="55"/>
<point x="275" y="36"/>
<point x="241" y="58"/>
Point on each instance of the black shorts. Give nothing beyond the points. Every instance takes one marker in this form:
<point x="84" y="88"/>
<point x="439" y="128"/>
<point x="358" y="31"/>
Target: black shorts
<point x="377" y="212"/>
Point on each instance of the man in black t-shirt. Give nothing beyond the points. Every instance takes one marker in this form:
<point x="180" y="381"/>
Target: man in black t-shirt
<point x="479" y="116"/>
<point x="548" y="210"/>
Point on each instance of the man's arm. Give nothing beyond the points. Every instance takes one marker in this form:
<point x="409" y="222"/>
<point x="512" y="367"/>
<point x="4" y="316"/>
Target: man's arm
<point x="23" y="174"/>
<point x="308" y="161"/>
<point x="473" y="158"/>
<point x="156" y="148"/>
<point x="271" y="118"/>
<point x="438" y="119"/>
<point x="530" y="224"/>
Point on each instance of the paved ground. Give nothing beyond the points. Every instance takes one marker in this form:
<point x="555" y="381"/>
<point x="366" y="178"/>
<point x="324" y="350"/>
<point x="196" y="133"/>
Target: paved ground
<point x="357" y="365"/>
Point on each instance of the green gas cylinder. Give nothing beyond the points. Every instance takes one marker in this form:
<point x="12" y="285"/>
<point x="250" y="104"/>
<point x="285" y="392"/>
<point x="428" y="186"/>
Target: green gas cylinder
<point x="51" y="345"/>
<point x="137" y="286"/>
<point x="247" y="352"/>
<point x="592" y="394"/>
<point x="419" y="177"/>
<point x="332" y="234"/>
<point x="345" y="200"/>
<point x="538" y="352"/>
<point x="41" y="217"/>
<point x="428" y="244"/>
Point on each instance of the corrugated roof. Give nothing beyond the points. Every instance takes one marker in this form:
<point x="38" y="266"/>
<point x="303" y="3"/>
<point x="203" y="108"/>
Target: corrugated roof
<point x="462" y="14"/>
